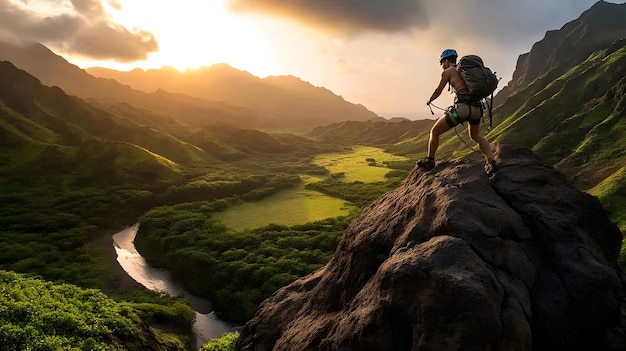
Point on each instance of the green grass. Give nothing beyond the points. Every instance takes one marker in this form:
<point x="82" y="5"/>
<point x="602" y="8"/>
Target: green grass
<point x="612" y="195"/>
<point x="301" y="205"/>
<point x="289" y="207"/>
<point x="224" y="343"/>
<point x="364" y="164"/>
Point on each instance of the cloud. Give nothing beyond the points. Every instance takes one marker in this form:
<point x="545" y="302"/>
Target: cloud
<point x="494" y="21"/>
<point x="81" y="27"/>
<point x="343" y="16"/>
<point x="504" y="22"/>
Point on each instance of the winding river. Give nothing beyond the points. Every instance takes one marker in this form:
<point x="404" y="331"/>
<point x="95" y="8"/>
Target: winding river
<point x="206" y="326"/>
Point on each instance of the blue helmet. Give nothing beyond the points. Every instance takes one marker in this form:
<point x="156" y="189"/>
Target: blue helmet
<point x="446" y="54"/>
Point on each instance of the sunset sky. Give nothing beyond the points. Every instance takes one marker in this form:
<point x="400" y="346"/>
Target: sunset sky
<point x="379" y="53"/>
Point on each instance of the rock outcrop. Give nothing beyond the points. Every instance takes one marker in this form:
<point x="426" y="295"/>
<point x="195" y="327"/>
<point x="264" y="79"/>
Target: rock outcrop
<point x="450" y="261"/>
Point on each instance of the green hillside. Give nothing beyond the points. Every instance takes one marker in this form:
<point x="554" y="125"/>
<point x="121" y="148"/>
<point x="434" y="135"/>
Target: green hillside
<point x="39" y="315"/>
<point x="64" y="173"/>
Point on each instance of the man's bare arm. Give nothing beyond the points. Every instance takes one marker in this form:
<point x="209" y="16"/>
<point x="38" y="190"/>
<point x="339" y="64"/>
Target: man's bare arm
<point x="444" y="79"/>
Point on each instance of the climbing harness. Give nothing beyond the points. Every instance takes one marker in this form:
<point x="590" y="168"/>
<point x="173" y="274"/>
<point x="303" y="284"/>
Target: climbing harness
<point x="431" y="105"/>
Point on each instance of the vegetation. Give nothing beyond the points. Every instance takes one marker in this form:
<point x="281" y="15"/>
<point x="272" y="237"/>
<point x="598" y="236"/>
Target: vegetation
<point x="225" y="343"/>
<point x="612" y="195"/>
<point x="39" y="315"/>
<point x="51" y="234"/>
<point x="362" y="164"/>
<point x="235" y="270"/>
<point x="289" y="207"/>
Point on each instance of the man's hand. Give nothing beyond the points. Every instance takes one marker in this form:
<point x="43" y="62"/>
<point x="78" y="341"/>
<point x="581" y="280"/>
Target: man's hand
<point x="427" y="102"/>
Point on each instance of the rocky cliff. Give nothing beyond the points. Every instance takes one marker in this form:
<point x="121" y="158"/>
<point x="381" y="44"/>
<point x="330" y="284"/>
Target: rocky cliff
<point x="450" y="261"/>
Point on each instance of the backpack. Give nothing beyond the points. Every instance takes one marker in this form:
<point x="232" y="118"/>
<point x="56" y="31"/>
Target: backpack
<point x="480" y="81"/>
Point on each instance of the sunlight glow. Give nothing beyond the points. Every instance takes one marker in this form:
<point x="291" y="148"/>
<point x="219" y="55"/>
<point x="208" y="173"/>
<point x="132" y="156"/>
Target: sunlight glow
<point x="194" y="33"/>
<point x="45" y="8"/>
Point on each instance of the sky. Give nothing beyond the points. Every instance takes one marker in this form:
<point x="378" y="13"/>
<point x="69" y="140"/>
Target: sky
<point x="379" y="53"/>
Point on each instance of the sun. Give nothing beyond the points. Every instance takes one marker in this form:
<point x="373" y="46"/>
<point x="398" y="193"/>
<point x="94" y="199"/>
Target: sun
<point x="194" y="33"/>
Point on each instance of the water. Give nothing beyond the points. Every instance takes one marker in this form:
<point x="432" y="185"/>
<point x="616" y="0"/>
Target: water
<point x="206" y="326"/>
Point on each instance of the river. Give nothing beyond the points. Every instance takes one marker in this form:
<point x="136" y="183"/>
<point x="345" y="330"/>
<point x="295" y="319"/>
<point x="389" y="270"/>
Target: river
<point x="206" y="326"/>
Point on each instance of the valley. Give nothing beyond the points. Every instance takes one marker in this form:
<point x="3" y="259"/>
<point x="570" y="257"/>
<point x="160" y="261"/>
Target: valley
<point x="239" y="192"/>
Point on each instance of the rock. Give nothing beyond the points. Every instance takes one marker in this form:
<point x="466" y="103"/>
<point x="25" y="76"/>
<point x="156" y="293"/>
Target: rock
<point x="449" y="261"/>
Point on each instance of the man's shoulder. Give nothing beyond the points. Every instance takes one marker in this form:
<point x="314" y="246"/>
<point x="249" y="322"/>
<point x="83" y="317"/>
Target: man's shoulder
<point x="450" y="71"/>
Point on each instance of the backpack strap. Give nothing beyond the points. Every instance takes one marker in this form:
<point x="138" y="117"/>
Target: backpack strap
<point x="489" y="103"/>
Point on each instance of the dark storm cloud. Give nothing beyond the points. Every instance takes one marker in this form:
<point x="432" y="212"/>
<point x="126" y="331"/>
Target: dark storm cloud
<point x="85" y="31"/>
<point x="492" y="20"/>
<point x="348" y="16"/>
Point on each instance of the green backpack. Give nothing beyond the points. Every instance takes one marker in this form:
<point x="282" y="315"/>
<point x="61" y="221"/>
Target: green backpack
<point x="480" y="81"/>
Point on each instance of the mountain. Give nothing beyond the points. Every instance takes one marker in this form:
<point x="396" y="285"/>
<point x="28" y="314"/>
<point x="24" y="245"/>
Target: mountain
<point x="45" y="131"/>
<point x="50" y="135"/>
<point x="567" y="103"/>
<point x="289" y="102"/>
<point x="449" y="261"/>
<point x="209" y="95"/>
<point x="54" y="70"/>
<point x="562" y="49"/>
<point x="375" y="132"/>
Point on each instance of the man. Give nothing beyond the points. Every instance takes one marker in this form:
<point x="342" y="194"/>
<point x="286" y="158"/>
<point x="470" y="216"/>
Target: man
<point x="465" y="109"/>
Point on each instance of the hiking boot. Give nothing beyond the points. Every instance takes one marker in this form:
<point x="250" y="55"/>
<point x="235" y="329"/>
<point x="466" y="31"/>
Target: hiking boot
<point x="491" y="168"/>
<point x="426" y="163"/>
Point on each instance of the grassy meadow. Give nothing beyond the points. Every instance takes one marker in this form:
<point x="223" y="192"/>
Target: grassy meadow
<point x="299" y="205"/>
<point x="364" y="164"/>
<point x="289" y="207"/>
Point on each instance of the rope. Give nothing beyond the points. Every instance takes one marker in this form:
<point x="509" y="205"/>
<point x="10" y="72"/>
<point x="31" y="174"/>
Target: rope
<point x="437" y="107"/>
<point x="466" y="144"/>
<point x="431" y="105"/>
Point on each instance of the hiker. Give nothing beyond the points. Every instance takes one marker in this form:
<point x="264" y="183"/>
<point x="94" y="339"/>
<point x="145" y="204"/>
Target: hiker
<point x="465" y="109"/>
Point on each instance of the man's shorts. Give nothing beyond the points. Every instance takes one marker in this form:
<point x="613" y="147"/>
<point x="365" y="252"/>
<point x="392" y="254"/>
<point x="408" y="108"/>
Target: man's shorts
<point x="462" y="112"/>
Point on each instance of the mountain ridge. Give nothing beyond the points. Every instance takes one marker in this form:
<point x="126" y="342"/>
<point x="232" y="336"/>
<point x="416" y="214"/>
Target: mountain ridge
<point x="218" y="93"/>
<point x="593" y="30"/>
<point x="275" y="97"/>
<point x="54" y="70"/>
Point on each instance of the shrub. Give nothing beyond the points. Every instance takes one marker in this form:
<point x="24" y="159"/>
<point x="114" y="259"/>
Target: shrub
<point x="224" y="343"/>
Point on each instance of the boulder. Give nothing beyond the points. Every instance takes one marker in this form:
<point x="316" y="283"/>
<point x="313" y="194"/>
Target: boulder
<point x="452" y="261"/>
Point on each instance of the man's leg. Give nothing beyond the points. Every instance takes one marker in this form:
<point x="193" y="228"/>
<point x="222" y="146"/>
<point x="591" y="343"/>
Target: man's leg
<point x="440" y="127"/>
<point x="483" y="144"/>
<point x="490" y="168"/>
